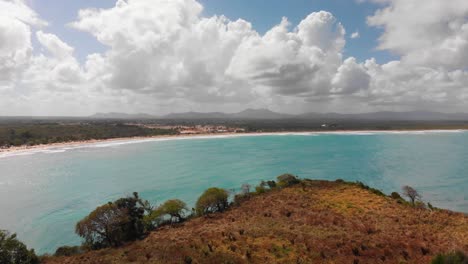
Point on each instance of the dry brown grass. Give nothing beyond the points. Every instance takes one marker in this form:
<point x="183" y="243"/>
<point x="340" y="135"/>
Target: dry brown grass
<point x="315" y="222"/>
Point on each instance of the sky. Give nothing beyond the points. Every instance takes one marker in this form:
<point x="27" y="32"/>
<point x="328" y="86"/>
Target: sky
<point x="75" y="58"/>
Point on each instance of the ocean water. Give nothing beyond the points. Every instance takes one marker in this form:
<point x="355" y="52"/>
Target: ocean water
<point x="44" y="193"/>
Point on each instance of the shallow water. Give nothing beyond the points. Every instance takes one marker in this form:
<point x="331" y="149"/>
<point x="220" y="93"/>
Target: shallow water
<point x="43" y="193"/>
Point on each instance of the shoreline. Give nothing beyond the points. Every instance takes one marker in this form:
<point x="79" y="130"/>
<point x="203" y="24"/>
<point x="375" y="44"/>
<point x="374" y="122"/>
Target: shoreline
<point x="141" y="139"/>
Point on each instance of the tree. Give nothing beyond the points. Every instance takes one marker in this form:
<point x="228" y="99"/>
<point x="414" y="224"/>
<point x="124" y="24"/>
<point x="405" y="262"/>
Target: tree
<point x="211" y="201"/>
<point x="114" y="223"/>
<point x="103" y="227"/>
<point x="13" y="251"/>
<point x="285" y="180"/>
<point x="411" y="193"/>
<point x="175" y="209"/>
<point x="136" y="209"/>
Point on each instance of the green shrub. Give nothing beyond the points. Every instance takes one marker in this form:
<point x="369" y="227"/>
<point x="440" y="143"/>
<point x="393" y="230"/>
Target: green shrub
<point x="68" y="251"/>
<point x="457" y="257"/>
<point x="260" y="189"/>
<point x="211" y="201"/>
<point x="13" y="251"/>
<point x="271" y="184"/>
<point x="395" y="196"/>
<point x="366" y="187"/>
<point x="285" y="180"/>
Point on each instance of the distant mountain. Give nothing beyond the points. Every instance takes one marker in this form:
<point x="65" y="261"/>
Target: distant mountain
<point x="259" y="114"/>
<point x="114" y="115"/>
<point x="246" y="114"/>
<point x="267" y="114"/>
<point x="196" y="115"/>
<point x="388" y="115"/>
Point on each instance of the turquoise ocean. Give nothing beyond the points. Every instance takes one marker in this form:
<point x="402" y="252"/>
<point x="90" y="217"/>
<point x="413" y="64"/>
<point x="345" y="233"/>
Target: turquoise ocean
<point x="43" y="193"/>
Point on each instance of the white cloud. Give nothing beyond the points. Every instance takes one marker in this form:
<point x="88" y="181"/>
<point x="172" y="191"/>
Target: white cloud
<point x="425" y="32"/>
<point x="350" y="78"/>
<point x="165" y="57"/>
<point x="301" y="61"/>
<point x="355" y="35"/>
<point x="15" y="39"/>
<point x="54" y="45"/>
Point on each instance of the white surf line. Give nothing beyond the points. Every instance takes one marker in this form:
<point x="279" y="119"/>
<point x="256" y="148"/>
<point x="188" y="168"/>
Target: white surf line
<point x="117" y="142"/>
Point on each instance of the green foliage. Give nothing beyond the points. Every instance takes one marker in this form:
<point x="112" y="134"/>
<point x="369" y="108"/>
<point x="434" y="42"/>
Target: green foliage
<point x="68" y="251"/>
<point x="13" y="251"/>
<point x="211" y="201"/>
<point x="135" y="209"/>
<point x="395" y="196"/>
<point x="271" y="184"/>
<point x="457" y="257"/>
<point x="286" y="180"/>
<point x="260" y="189"/>
<point x="373" y="190"/>
<point x="44" y="133"/>
<point x="113" y="223"/>
<point x="103" y="226"/>
<point x="175" y="209"/>
<point x="431" y="207"/>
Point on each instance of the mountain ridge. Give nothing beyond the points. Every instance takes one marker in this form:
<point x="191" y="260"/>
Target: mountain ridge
<point x="264" y="113"/>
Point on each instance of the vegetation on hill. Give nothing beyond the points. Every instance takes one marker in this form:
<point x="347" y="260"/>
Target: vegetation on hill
<point x="288" y="221"/>
<point x="46" y="133"/>
<point x="13" y="251"/>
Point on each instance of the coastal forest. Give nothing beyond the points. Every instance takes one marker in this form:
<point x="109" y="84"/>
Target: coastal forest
<point x="19" y="134"/>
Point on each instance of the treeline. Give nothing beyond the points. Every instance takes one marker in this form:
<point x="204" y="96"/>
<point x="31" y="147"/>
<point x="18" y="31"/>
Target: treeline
<point x="35" y="134"/>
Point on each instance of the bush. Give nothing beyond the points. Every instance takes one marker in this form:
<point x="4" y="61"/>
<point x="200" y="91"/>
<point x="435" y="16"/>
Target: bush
<point x="271" y="184"/>
<point x="175" y="209"/>
<point x="211" y="201"/>
<point x="451" y="258"/>
<point x="13" y="251"/>
<point x="68" y="251"/>
<point x="395" y="196"/>
<point x="260" y="189"/>
<point x="287" y="180"/>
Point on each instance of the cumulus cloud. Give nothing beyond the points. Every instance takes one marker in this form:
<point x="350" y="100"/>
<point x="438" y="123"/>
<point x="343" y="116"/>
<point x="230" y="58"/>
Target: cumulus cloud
<point x="15" y="38"/>
<point x="168" y="57"/>
<point x="351" y="77"/>
<point x="433" y="49"/>
<point x="425" y="32"/>
<point x="301" y="61"/>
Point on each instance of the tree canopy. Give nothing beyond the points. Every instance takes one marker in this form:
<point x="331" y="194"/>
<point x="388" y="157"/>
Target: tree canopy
<point x="211" y="201"/>
<point x="13" y="251"/>
<point x="174" y="208"/>
<point x="114" y="223"/>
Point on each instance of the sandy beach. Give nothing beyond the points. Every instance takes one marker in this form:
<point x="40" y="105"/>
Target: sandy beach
<point x="130" y="140"/>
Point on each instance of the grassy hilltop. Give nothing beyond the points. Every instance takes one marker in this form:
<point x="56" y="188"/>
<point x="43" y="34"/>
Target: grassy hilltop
<point x="310" y="222"/>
